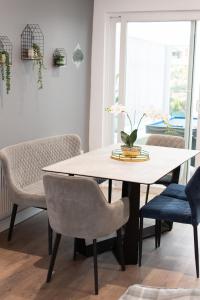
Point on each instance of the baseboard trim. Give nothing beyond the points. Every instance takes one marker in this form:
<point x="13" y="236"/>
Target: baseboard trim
<point x="21" y="216"/>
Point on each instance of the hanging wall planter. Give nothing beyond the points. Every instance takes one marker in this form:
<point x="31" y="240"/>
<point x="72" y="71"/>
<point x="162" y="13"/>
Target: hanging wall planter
<point x="32" y="49"/>
<point x="5" y="61"/>
<point x="59" y="57"/>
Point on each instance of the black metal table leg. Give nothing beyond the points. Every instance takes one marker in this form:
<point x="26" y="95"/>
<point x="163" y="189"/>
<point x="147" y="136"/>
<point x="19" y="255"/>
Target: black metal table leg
<point x="131" y="235"/>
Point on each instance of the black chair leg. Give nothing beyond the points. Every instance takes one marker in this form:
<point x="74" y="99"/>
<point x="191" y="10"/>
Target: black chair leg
<point x="53" y="257"/>
<point x="196" y="249"/>
<point x="147" y="193"/>
<point x="50" y="238"/>
<point x="95" y="267"/>
<point x="156" y="234"/>
<point x="120" y="249"/>
<point x="109" y="190"/>
<point x="75" y="249"/>
<point x="12" y="221"/>
<point x="140" y="241"/>
<point x="159" y="232"/>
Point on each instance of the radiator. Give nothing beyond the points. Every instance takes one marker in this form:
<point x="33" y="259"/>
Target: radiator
<point x="5" y="203"/>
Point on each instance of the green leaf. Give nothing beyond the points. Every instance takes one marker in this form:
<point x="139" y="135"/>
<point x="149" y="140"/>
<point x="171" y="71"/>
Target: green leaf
<point x="133" y="137"/>
<point x="125" y="137"/>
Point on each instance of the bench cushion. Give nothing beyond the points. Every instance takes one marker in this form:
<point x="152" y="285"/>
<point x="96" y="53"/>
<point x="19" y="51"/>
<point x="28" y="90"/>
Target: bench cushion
<point x="35" y="195"/>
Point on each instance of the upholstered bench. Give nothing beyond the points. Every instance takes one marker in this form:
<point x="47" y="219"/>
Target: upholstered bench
<point x="22" y="170"/>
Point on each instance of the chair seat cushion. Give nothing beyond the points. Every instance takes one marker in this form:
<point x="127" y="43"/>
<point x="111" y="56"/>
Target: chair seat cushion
<point x="175" y="190"/>
<point x="168" y="209"/>
<point x="165" y="180"/>
<point x="34" y="195"/>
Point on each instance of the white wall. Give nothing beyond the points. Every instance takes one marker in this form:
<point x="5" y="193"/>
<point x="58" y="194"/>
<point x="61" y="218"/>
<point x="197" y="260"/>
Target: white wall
<point x="102" y="8"/>
<point x="63" y="105"/>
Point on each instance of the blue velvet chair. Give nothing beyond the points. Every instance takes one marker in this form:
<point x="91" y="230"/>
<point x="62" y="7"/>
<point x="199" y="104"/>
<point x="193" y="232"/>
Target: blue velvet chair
<point x="176" y="191"/>
<point x="175" y="209"/>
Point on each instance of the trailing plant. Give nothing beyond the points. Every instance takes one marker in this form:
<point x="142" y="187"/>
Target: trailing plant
<point x="5" y="69"/>
<point x="38" y="62"/>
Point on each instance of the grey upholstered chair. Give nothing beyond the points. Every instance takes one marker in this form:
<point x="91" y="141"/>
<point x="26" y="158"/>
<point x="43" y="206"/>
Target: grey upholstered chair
<point x="22" y="169"/>
<point x="77" y="208"/>
<point x="164" y="140"/>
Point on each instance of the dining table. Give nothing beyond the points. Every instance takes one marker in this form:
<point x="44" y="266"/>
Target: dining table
<point x="99" y="164"/>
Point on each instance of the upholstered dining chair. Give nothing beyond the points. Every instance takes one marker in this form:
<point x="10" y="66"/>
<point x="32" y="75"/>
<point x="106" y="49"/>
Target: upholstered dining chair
<point x="180" y="210"/>
<point x="164" y="140"/>
<point x="77" y="208"/>
<point x="22" y="171"/>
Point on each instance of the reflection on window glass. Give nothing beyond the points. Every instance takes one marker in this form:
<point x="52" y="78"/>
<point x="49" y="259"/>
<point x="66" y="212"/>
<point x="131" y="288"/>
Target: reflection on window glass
<point x="157" y="75"/>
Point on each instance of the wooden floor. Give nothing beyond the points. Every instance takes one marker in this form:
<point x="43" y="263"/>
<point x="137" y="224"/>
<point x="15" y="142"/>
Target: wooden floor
<point x="24" y="262"/>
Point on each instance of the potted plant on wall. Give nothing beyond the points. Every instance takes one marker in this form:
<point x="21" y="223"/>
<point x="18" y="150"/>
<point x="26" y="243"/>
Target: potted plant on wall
<point x="5" y="69"/>
<point x="38" y="62"/>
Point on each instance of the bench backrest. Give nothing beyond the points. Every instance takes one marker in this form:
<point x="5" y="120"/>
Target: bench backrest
<point x="23" y="163"/>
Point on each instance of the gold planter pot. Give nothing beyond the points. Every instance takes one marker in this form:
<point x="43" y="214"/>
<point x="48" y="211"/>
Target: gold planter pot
<point x="131" y="151"/>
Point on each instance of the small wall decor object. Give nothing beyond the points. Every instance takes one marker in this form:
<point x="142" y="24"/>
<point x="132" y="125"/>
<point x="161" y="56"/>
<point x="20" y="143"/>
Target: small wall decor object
<point x="78" y="56"/>
<point x="5" y="60"/>
<point x="59" y="57"/>
<point x="32" y="48"/>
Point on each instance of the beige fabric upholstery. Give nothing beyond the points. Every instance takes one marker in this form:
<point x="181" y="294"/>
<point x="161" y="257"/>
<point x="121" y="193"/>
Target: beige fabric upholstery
<point x="22" y="166"/>
<point x="139" y="292"/>
<point x="77" y="207"/>
<point x="164" y="140"/>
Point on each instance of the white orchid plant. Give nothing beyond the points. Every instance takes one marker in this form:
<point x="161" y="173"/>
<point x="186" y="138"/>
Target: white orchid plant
<point x="127" y="139"/>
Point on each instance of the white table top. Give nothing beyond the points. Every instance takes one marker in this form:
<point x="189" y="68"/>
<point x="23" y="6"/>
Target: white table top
<point x="99" y="164"/>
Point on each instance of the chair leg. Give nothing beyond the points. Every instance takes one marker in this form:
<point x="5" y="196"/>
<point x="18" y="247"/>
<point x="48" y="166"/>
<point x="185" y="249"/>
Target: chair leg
<point x="140" y="241"/>
<point x="12" y="221"/>
<point x="75" y="249"/>
<point x="53" y="257"/>
<point x="159" y="232"/>
<point x="95" y="267"/>
<point x="109" y="190"/>
<point x="50" y="238"/>
<point x="147" y="193"/>
<point x="156" y="233"/>
<point x="120" y="249"/>
<point x="196" y="249"/>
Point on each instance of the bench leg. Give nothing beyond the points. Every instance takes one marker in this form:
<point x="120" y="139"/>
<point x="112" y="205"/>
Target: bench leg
<point x="12" y="221"/>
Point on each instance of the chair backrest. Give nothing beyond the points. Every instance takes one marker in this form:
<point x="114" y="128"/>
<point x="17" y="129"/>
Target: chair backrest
<point x="164" y="140"/>
<point x="76" y="206"/>
<point x="23" y="163"/>
<point x="192" y="191"/>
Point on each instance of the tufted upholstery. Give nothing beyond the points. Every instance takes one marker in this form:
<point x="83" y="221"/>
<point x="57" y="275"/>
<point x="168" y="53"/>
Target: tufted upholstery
<point x="175" y="190"/>
<point x="23" y="163"/>
<point x="164" y="140"/>
<point x="76" y="207"/>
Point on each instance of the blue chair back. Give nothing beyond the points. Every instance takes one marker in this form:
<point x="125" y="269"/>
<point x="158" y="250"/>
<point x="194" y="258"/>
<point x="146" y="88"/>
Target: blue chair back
<point x="192" y="191"/>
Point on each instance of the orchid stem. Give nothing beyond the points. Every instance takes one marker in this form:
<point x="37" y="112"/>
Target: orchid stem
<point x="129" y="121"/>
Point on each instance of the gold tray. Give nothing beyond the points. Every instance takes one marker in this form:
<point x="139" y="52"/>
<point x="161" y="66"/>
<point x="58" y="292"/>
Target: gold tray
<point x="117" y="155"/>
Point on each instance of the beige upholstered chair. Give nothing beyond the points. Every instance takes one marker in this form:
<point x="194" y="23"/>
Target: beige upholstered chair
<point x="164" y="140"/>
<point x="77" y="208"/>
<point x="22" y="168"/>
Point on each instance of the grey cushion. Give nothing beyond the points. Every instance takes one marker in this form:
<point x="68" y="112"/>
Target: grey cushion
<point x="34" y="194"/>
<point x="77" y="207"/>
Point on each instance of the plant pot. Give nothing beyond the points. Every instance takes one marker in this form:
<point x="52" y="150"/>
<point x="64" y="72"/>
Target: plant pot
<point x="60" y="61"/>
<point x="2" y="59"/>
<point x="131" y="151"/>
